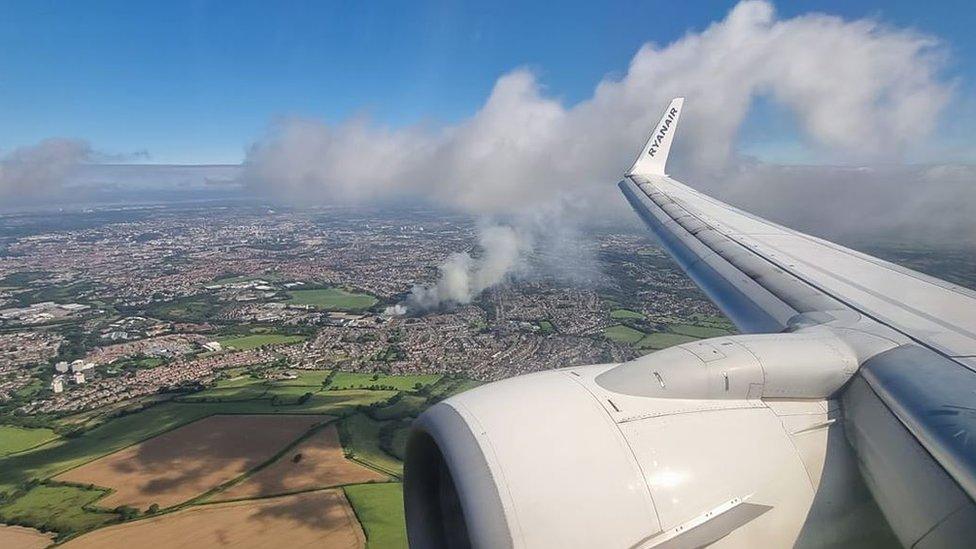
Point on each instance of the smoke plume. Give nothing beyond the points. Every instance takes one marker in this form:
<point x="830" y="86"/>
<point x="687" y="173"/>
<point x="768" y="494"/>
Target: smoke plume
<point x="462" y="277"/>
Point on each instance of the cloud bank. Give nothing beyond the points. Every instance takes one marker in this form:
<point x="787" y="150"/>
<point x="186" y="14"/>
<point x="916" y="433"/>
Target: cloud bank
<point x="38" y="172"/>
<point x="860" y="92"/>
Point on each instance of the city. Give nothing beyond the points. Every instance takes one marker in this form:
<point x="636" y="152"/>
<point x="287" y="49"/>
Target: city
<point x="148" y="304"/>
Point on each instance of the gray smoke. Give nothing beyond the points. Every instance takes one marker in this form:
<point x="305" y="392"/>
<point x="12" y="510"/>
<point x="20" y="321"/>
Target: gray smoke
<point x="462" y="277"/>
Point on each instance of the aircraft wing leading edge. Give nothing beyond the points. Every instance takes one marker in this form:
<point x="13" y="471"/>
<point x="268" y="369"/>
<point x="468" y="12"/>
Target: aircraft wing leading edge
<point x="767" y="278"/>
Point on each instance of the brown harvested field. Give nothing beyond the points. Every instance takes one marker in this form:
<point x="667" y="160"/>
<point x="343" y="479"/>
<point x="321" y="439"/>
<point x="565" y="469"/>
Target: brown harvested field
<point x="322" y="464"/>
<point x="188" y="461"/>
<point x="312" y="519"/>
<point x="19" y="537"/>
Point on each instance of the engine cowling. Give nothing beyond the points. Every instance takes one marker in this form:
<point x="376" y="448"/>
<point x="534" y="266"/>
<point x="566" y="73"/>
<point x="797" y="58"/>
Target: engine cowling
<point x="627" y="456"/>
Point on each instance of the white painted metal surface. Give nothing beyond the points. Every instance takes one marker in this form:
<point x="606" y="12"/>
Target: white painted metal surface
<point x="735" y="441"/>
<point x="925" y="308"/>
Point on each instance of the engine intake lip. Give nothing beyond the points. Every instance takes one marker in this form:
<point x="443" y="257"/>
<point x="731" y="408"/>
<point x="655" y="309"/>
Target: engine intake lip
<point x="450" y="495"/>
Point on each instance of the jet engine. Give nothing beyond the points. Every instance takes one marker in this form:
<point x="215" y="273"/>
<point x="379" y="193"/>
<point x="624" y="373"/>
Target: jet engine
<point x="731" y="440"/>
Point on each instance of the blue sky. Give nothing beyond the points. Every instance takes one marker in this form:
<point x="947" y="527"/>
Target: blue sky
<point x="196" y="82"/>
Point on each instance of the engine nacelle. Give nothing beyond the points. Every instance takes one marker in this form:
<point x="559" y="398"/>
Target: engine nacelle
<point x="618" y="456"/>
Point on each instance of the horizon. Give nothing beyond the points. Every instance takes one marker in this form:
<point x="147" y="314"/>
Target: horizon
<point x="476" y="114"/>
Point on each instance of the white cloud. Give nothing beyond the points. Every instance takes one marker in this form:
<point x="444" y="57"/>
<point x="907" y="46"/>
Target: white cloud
<point x="37" y="172"/>
<point x="860" y="90"/>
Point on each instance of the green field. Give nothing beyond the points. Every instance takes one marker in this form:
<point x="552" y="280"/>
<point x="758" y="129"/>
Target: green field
<point x="663" y="340"/>
<point x="189" y="309"/>
<point x="231" y="390"/>
<point x="71" y="509"/>
<point x="306" y="378"/>
<point x="448" y="386"/>
<point x="64" y="509"/>
<point x="407" y="406"/>
<point x="700" y="332"/>
<point x="399" y="442"/>
<point x="379" y="508"/>
<point x="617" y="314"/>
<point x="246" y="278"/>
<point x="244" y="343"/>
<point x="17" y="439"/>
<point x="623" y="334"/>
<point x="348" y="380"/>
<point x="332" y="299"/>
<point x="28" y="391"/>
<point x="361" y="442"/>
<point x="22" y="278"/>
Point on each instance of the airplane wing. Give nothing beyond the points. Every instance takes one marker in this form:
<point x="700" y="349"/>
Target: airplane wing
<point x="856" y="371"/>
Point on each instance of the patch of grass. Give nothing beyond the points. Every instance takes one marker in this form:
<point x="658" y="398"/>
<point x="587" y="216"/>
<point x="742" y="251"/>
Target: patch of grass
<point x="360" y="436"/>
<point x="546" y="327"/>
<point x="255" y="390"/>
<point x="309" y="378"/>
<point x="449" y="386"/>
<point x="700" y="332"/>
<point x="350" y="380"/>
<point x="59" y="293"/>
<point x="618" y="314"/>
<point x="332" y="299"/>
<point x="64" y="509"/>
<point x="28" y="391"/>
<point x="623" y="334"/>
<point x="132" y="364"/>
<point x="407" y="406"/>
<point x="245" y="278"/>
<point x="22" y="278"/>
<point x="399" y="442"/>
<point x="200" y="309"/>
<point x="379" y="508"/>
<point x="17" y="439"/>
<point x="463" y="386"/>
<point x="244" y="343"/>
<point x="663" y="340"/>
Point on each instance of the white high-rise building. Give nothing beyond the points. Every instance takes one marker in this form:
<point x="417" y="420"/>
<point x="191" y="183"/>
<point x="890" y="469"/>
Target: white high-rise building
<point x="57" y="384"/>
<point x="79" y="378"/>
<point x="61" y="367"/>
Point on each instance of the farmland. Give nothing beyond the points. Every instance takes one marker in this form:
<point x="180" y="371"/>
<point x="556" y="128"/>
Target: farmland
<point x="242" y="447"/>
<point x="186" y="462"/>
<point x="19" y="537"/>
<point x="120" y="432"/>
<point x="320" y="519"/>
<point x="316" y="462"/>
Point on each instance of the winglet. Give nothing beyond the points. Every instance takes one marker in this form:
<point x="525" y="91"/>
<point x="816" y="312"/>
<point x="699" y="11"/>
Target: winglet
<point x="654" y="156"/>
